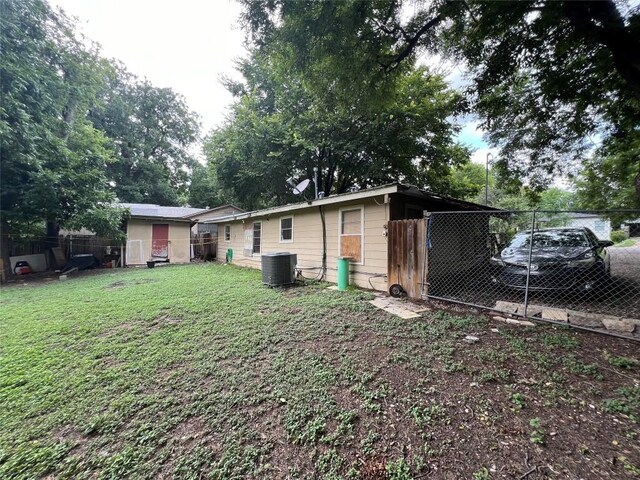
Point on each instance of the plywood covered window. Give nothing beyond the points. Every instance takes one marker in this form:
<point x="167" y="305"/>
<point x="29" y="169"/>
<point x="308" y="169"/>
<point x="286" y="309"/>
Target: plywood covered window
<point x="351" y="233"/>
<point x="227" y="233"/>
<point x="286" y="230"/>
<point x="257" y="237"/>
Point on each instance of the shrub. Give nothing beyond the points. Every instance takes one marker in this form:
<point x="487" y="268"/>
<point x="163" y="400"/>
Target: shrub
<point x="618" y="236"/>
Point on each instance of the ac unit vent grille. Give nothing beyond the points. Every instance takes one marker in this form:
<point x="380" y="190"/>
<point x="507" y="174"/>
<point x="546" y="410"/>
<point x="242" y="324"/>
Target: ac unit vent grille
<point x="278" y="268"/>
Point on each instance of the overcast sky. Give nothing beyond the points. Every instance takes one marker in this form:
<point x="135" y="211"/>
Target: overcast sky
<point x="186" y="45"/>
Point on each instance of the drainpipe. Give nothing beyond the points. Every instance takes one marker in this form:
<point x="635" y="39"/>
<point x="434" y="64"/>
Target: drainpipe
<point x="324" y="243"/>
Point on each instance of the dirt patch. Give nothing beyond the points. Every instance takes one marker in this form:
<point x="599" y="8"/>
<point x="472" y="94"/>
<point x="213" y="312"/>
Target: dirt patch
<point x="70" y="435"/>
<point x="188" y="432"/>
<point x="162" y="321"/>
<point x="117" y="329"/>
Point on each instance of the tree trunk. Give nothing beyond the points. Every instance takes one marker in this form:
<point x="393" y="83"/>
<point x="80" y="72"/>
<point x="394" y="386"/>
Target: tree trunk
<point x="52" y="240"/>
<point x="5" y="248"/>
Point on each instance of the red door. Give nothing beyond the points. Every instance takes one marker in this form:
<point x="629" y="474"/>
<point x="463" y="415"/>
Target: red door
<point x="160" y="240"/>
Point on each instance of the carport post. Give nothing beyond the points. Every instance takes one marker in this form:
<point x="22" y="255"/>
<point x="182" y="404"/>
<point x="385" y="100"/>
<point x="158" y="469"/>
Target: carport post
<point x="526" y="288"/>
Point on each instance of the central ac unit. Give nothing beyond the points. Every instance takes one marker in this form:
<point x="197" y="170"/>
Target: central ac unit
<point x="279" y="268"/>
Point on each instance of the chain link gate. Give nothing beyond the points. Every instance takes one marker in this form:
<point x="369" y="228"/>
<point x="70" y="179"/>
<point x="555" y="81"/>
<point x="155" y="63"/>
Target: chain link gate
<point x="556" y="266"/>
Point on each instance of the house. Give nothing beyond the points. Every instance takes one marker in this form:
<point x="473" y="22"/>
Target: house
<point x="355" y="224"/>
<point x="599" y="225"/>
<point x="632" y="227"/>
<point x="155" y="232"/>
<point x="210" y="214"/>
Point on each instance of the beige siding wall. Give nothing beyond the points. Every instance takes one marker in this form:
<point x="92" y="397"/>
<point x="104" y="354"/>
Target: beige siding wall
<point x="139" y="241"/>
<point x="307" y="241"/>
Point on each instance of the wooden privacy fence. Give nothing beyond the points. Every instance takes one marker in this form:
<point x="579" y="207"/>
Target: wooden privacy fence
<point x="407" y="257"/>
<point x="204" y="246"/>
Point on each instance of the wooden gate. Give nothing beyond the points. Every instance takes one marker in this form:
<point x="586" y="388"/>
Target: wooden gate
<point x="407" y="257"/>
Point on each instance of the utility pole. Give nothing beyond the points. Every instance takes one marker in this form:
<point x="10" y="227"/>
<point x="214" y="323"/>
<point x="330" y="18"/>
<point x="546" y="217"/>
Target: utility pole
<point x="486" y="181"/>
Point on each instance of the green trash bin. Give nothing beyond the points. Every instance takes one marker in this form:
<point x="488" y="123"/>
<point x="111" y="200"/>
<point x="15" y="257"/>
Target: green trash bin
<point x="343" y="272"/>
<point x="229" y="255"/>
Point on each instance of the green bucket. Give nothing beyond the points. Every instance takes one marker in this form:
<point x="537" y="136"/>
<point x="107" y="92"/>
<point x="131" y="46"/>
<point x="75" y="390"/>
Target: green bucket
<point x="343" y="272"/>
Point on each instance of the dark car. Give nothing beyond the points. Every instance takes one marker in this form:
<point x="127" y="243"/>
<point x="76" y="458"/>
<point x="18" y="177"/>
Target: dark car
<point x="560" y="259"/>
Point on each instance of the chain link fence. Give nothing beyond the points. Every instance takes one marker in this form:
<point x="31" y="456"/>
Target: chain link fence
<point x="580" y="268"/>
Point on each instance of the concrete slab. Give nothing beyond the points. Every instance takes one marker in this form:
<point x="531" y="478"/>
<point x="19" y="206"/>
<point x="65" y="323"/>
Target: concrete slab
<point x="394" y="307"/>
<point x="555" y="314"/>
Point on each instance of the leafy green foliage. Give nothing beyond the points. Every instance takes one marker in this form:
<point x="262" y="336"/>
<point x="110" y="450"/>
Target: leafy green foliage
<point x="294" y="112"/>
<point x="624" y="362"/>
<point x="398" y="470"/>
<point x="611" y="177"/>
<point x="546" y="77"/>
<point x="196" y="371"/>
<point x="627" y="402"/>
<point x="618" y="236"/>
<point x="53" y="159"/>
<point x="151" y="131"/>
<point x="537" y="431"/>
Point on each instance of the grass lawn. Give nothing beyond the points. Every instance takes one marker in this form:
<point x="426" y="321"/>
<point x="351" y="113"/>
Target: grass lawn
<point x="199" y="371"/>
<point x="629" y="242"/>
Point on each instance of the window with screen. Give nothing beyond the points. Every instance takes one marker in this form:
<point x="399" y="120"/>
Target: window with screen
<point x="257" y="237"/>
<point x="227" y="233"/>
<point x="351" y="230"/>
<point x="599" y="226"/>
<point x="286" y="229"/>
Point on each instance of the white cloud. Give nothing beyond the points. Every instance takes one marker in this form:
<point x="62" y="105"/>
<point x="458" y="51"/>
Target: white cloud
<point x="186" y="45"/>
<point x="480" y="155"/>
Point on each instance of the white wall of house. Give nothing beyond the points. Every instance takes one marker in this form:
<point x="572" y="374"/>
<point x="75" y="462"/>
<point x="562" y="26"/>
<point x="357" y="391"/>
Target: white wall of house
<point x="598" y="225"/>
<point x="139" y="236"/>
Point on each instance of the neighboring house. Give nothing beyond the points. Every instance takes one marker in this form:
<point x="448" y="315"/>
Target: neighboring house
<point x="355" y="225"/>
<point x="155" y="232"/>
<point x="599" y="225"/>
<point x="210" y="214"/>
<point x="632" y="227"/>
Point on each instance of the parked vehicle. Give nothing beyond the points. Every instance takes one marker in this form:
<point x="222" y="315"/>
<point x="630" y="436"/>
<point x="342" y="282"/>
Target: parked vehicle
<point x="560" y="259"/>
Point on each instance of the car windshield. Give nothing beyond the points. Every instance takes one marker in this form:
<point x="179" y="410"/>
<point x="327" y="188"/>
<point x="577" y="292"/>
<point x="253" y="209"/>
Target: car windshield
<point x="551" y="238"/>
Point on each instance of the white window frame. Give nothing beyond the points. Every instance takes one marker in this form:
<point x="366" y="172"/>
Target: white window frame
<point x="253" y="233"/>
<point x="285" y="218"/>
<point x="348" y="209"/>
<point x="227" y="240"/>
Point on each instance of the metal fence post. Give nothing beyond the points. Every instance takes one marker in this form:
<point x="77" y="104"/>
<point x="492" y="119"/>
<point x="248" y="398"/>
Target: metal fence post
<point x="526" y="288"/>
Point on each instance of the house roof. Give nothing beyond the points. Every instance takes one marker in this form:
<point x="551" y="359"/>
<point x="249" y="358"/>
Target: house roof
<point x="215" y="209"/>
<point x="366" y="193"/>
<point x="151" y="211"/>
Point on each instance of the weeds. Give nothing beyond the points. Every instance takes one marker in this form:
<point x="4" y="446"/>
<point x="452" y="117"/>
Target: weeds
<point x="518" y="399"/>
<point x="398" y="470"/>
<point x="200" y="372"/>
<point x="537" y="432"/>
<point x="627" y="403"/>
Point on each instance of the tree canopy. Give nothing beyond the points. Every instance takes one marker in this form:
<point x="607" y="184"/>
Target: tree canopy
<point x="78" y="132"/>
<point x="546" y="77"/>
<point x="53" y="159"/>
<point x="288" y="120"/>
<point x="151" y="132"/>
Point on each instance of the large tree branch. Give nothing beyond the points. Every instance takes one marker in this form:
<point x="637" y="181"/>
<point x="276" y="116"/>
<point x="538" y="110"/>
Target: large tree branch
<point x="601" y="20"/>
<point x="412" y="42"/>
